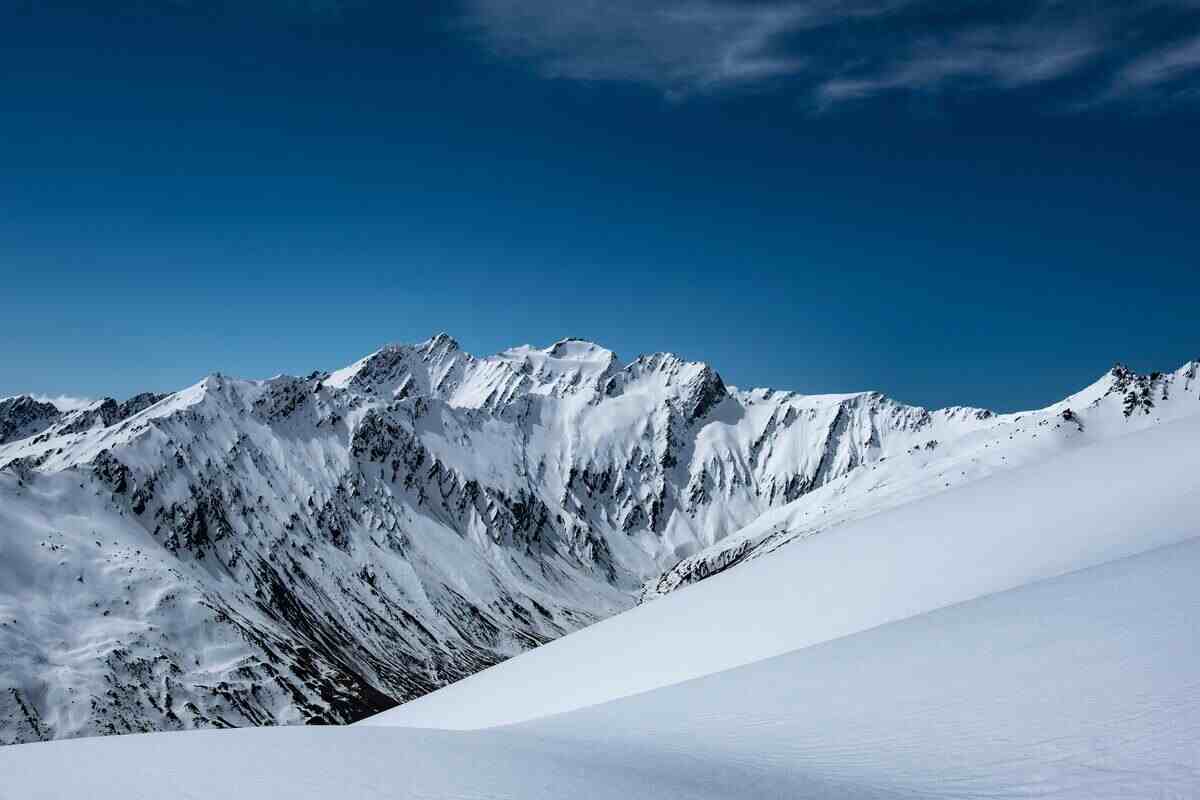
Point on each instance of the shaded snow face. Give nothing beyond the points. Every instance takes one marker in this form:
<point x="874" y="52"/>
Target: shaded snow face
<point x="315" y="549"/>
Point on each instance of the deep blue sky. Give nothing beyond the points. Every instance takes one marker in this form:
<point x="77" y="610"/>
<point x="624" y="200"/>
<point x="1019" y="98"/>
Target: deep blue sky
<point x="983" y="208"/>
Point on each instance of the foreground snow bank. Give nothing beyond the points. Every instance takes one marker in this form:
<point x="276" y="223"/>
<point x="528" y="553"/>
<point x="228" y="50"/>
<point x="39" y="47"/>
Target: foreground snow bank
<point x="1086" y="507"/>
<point x="1080" y="686"/>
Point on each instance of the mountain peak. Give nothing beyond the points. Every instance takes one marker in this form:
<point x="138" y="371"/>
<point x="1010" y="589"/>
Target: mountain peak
<point x="574" y="348"/>
<point x="1121" y="373"/>
<point x="442" y="341"/>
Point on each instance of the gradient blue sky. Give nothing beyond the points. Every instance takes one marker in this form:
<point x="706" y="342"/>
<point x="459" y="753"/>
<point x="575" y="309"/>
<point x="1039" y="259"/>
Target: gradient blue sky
<point x="983" y="206"/>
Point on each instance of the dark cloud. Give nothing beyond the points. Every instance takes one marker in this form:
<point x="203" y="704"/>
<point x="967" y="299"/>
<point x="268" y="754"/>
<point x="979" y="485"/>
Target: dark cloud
<point x="832" y="52"/>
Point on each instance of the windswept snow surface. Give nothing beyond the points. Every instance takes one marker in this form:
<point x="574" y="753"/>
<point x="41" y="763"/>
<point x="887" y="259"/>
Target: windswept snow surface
<point x="1080" y="686"/>
<point x="1087" y="507"/>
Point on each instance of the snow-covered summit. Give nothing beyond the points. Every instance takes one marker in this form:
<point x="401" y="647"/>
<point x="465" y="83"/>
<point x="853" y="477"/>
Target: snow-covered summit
<point x="570" y="349"/>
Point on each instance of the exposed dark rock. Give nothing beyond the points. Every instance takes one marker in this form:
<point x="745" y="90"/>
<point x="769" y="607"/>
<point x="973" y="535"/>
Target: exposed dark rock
<point x="23" y="416"/>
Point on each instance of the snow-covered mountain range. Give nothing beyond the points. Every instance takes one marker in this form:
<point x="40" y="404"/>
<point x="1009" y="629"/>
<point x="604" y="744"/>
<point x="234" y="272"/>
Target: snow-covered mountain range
<point x="316" y="549"/>
<point x="1029" y="634"/>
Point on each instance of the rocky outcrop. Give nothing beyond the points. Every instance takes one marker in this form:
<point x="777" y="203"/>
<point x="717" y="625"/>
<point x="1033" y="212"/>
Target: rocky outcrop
<point x="22" y="417"/>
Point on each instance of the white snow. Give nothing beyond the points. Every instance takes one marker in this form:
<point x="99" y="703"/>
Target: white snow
<point x="1030" y="634"/>
<point x="1080" y="686"/>
<point x="905" y="614"/>
<point x="1089" y="506"/>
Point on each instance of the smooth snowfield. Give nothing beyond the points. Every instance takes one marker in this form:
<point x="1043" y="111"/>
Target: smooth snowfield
<point x="1080" y="686"/>
<point x="1086" y="507"/>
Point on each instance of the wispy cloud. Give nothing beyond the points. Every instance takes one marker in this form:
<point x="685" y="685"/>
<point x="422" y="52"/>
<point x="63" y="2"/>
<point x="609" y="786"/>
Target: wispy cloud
<point x="675" y="45"/>
<point x="999" y="57"/>
<point x="835" y="51"/>
<point x="1164" y="65"/>
<point x="62" y="402"/>
<point x="827" y="52"/>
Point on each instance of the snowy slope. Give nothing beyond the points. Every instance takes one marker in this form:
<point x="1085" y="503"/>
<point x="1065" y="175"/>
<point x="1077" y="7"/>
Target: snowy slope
<point x="319" y="548"/>
<point x="1077" y="686"/>
<point x="971" y="445"/>
<point x="1087" y="507"/>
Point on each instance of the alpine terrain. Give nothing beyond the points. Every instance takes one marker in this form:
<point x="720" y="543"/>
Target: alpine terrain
<point x="319" y="549"/>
